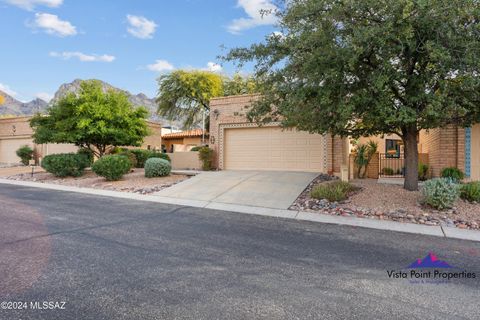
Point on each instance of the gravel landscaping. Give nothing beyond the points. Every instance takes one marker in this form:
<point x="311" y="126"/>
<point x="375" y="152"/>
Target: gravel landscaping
<point x="134" y="181"/>
<point x="389" y="202"/>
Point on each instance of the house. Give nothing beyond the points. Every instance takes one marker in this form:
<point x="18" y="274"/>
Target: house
<point x="241" y="145"/>
<point x="16" y="132"/>
<point x="184" y="140"/>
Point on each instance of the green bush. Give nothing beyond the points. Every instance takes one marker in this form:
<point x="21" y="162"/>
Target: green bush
<point x="196" y="148"/>
<point x="333" y="191"/>
<point x="142" y="155"/>
<point x="452" y="173"/>
<point x="156" y="167"/>
<point x="388" y="171"/>
<point x="470" y="191"/>
<point x="205" y="154"/>
<point x="131" y="157"/>
<point x="111" y="167"/>
<point x="423" y="171"/>
<point x="25" y="153"/>
<point x="65" y="164"/>
<point x="87" y="154"/>
<point x="440" y="193"/>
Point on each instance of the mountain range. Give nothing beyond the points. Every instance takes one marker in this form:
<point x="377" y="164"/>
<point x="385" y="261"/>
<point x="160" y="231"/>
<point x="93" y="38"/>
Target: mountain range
<point x="12" y="106"/>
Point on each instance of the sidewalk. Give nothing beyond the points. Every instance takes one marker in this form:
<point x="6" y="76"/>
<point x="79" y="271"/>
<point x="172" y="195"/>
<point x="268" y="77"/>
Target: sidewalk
<point x="452" y="233"/>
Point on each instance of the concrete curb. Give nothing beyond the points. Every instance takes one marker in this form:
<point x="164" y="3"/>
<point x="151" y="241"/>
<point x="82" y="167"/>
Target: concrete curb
<point x="453" y="233"/>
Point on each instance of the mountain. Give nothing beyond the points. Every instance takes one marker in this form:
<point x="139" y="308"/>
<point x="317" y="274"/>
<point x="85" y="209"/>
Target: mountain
<point x="430" y="261"/>
<point x="12" y="106"/>
<point x="15" y="107"/>
<point x="137" y="100"/>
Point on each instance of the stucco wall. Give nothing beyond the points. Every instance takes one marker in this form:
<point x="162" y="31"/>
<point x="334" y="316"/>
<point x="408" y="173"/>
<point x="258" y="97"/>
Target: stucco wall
<point x="185" y="160"/>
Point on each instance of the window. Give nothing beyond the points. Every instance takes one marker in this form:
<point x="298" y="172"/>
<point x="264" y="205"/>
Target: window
<point x="392" y="148"/>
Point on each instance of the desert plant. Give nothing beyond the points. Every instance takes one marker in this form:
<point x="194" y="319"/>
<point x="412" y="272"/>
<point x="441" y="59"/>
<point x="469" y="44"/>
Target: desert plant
<point x="452" y="173"/>
<point x="158" y="154"/>
<point x="333" y="191"/>
<point x="423" y="171"/>
<point x="111" y="167"/>
<point x="205" y="154"/>
<point x="142" y="155"/>
<point x="130" y="156"/>
<point x="196" y="148"/>
<point x="470" y="191"/>
<point x="25" y="153"/>
<point x="65" y="164"/>
<point x="363" y="154"/>
<point x="87" y="154"/>
<point x="387" y="171"/>
<point x="156" y="167"/>
<point x="440" y="193"/>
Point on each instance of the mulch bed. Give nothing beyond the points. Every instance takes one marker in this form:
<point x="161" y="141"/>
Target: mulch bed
<point x="388" y="202"/>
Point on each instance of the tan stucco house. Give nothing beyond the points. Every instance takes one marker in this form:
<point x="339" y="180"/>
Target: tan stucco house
<point x="241" y="145"/>
<point x="16" y="132"/>
<point x="184" y="140"/>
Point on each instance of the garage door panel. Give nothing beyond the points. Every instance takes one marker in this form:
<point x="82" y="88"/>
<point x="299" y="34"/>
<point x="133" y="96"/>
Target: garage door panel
<point x="270" y="148"/>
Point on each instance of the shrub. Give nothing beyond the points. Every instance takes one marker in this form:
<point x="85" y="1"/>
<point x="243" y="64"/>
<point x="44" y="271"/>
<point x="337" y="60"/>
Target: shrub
<point x="440" y="193"/>
<point x="453" y="173"/>
<point x="111" y="167"/>
<point x="363" y="154"/>
<point x="205" y="154"/>
<point x="423" y="171"/>
<point x="333" y="191"/>
<point x="25" y="153"/>
<point x="131" y="158"/>
<point x="88" y="156"/>
<point x="65" y="164"/>
<point x="142" y="155"/>
<point x="156" y="167"/>
<point x="196" y="148"/>
<point x="388" y="171"/>
<point x="470" y="191"/>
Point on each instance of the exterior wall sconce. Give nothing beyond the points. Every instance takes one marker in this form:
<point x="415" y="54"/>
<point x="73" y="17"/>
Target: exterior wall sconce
<point x="216" y="113"/>
<point x="212" y="140"/>
<point x="14" y="129"/>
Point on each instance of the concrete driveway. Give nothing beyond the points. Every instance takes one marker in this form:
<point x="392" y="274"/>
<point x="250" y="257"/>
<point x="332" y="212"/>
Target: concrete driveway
<point x="270" y="189"/>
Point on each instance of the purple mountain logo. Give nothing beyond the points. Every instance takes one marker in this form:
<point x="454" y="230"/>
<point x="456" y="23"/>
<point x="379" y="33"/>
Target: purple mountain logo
<point x="430" y="261"/>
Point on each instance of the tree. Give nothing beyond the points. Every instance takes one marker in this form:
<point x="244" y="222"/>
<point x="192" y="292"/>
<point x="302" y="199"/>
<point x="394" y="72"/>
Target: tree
<point x="186" y="94"/>
<point x="95" y="119"/>
<point x="367" y="67"/>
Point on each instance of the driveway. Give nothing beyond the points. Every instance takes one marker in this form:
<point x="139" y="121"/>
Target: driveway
<point x="111" y="258"/>
<point x="270" y="189"/>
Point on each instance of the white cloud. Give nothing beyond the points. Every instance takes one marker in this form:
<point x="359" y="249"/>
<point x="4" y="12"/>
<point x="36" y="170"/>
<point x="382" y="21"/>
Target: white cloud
<point x="44" y="96"/>
<point x="51" y="24"/>
<point x="213" y="67"/>
<point x="6" y="89"/>
<point x="160" y="66"/>
<point x="82" y="56"/>
<point x="31" y="4"/>
<point x="141" y="27"/>
<point x="255" y="18"/>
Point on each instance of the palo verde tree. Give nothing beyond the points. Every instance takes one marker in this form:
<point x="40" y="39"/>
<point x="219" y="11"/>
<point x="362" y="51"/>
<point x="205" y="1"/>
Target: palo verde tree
<point x="367" y="67"/>
<point x="185" y="94"/>
<point x="95" y="119"/>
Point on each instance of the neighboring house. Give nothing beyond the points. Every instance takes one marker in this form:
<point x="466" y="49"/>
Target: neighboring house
<point x="184" y="140"/>
<point x="16" y="132"/>
<point x="242" y="145"/>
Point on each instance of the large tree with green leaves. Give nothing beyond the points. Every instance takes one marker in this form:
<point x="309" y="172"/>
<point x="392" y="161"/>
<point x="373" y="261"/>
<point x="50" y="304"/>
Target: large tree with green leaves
<point x="93" y="118"/>
<point x="185" y="94"/>
<point x="367" y="67"/>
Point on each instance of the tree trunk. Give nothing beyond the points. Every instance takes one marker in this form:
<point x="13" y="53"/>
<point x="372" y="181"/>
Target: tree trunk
<point x="411" y="158"/>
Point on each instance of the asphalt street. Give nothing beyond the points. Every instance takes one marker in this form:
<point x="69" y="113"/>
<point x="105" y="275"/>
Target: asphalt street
<point x="76" y="256"/>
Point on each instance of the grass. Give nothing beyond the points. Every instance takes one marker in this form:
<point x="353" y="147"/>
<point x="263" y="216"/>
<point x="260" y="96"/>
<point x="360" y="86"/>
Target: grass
<point x="333" y="191"/>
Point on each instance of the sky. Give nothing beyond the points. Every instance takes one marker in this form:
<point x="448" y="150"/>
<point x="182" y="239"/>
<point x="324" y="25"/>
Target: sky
<point x="127" y="43"/>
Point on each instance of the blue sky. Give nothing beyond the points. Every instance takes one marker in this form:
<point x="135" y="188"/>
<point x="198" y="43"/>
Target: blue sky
<point x="127" y="43"/>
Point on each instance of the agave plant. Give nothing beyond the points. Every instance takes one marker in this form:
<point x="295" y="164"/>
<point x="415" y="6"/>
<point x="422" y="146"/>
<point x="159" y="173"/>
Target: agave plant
<point x="363" y="156"/>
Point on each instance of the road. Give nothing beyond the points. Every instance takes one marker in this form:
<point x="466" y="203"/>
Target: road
<point x="99" y="258"/>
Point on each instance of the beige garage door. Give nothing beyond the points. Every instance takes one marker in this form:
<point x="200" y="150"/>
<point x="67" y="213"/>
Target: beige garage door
<point x="270" y="148"/>
<point x="8" y="147"/>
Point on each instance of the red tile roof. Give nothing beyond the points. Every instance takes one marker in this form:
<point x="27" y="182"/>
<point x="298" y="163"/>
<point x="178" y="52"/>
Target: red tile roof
<point x="183" y="134"/>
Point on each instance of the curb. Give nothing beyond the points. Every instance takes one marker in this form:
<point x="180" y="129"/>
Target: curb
<point x="438" y="231"/>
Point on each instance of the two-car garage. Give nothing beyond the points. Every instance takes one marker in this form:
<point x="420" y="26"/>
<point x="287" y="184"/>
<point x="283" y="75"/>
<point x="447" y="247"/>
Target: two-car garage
<point x="273" y="148"/>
